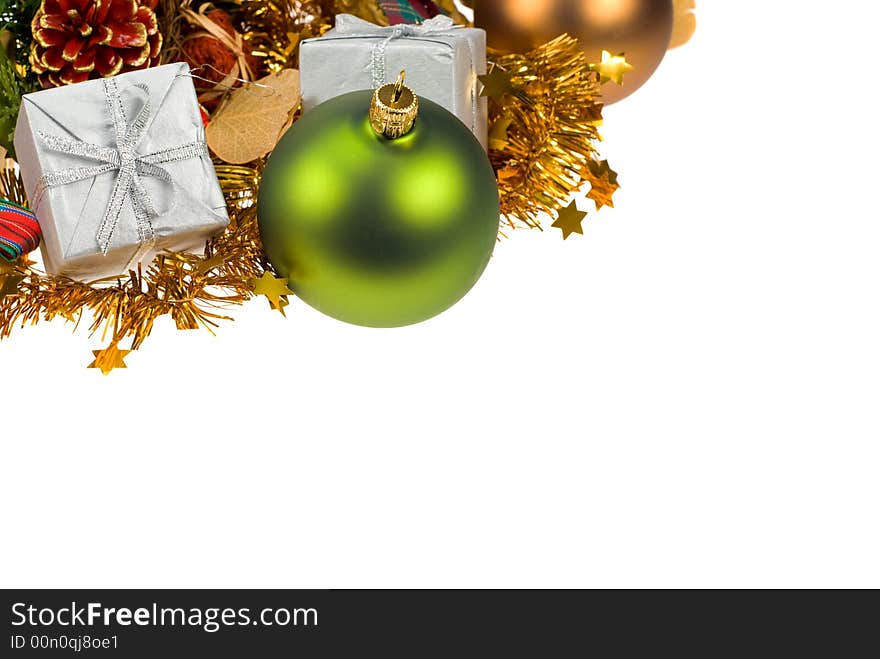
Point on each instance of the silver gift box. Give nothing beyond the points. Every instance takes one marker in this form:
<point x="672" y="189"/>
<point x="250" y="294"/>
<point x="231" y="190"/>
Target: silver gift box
<point x="442" y="62"/>
<point x="187" y="207"/>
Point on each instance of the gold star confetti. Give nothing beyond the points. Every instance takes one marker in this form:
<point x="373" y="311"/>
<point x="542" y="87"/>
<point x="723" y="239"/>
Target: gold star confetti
<point x="612" y="68"/>
<point x="274" y="288"/>
<point x="109" y="359"/>
<point x="555" y="108"/>
<point x="9" y="284"/>
<point x="496" y="83"/>
<point x="209" y="264"/>
<point x="604" y="183"/>
<point x="570" y="220"/>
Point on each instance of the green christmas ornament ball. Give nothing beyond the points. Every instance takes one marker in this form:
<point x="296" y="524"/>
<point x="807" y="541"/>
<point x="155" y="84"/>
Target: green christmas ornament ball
<point x="376" y="231"/>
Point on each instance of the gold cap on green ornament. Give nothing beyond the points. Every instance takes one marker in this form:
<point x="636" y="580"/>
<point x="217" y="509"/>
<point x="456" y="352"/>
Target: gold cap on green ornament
<point x="394" y="109"/>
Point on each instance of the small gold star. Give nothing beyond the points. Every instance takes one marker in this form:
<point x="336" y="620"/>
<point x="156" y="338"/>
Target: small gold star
<point x="109" y="359"/>
<point x="601" y="169"/>
<point x="496" y="83"/>
<point x="9" y="284"/>
<point x="603" y="182"/>
<point x="612" y="68"/>
<point x="274" y="288"/>
<point x="570" y="220"/>
<point x="209" y="264"/>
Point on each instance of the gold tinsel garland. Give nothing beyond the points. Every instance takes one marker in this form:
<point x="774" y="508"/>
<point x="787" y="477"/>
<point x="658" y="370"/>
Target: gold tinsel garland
<point x="11" y="185"/>
<point x="543" y="128"/>
<point x="543" y="120"/>
<point x="192" y="289"/>
<point x="273" y="29"/>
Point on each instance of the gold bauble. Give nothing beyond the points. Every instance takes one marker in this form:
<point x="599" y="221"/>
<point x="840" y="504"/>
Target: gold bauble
<point x="639" y="28"/>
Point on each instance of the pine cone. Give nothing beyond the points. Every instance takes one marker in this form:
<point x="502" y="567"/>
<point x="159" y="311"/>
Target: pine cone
<point x="75" y="40"/>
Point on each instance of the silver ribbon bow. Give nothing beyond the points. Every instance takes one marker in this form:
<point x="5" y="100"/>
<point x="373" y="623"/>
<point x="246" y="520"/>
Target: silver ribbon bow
<point x="348" y="25"/>
<point x="126" y="160"/>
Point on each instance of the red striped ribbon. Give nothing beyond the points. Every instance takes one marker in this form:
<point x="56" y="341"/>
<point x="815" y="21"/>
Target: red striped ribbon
<point x="19" y="231"/>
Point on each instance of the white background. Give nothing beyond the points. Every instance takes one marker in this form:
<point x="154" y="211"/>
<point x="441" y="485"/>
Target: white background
<point x="686" y="396"/>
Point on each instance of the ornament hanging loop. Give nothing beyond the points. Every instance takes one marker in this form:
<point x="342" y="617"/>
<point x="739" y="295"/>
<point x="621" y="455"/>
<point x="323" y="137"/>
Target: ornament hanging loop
<point x="394" y="109"/>
<point x="398" y="88"/>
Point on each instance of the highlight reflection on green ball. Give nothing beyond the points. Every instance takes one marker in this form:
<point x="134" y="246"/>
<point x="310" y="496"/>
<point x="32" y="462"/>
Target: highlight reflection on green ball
<point x="373" y="231"/>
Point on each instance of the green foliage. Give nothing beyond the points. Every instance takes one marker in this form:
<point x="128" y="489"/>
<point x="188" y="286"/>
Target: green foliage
<point x="15" y="22"/>
<point x="10" y="99"/>
<point x="16" y="16"/>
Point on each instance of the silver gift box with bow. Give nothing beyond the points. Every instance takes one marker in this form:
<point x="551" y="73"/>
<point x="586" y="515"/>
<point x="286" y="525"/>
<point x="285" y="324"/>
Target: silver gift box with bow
<point x="117" y="171"/>
<point x="442" y="62"/>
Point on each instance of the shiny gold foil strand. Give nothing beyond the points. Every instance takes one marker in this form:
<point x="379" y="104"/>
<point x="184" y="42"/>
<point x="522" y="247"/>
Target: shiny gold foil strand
<point x="193" y="290"/>
<point x="544" y="132"/>
<point x="273" y="29"/>
<point x="11" y="185"/>
<point x="239" y="184"/>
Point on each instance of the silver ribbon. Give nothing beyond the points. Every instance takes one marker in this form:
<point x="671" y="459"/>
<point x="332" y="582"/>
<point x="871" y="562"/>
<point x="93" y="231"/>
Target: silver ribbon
<point x="124" y="159"/>
<point x="352" y="26"/>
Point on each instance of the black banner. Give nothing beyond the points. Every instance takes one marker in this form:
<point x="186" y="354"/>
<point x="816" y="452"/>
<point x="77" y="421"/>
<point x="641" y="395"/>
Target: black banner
<point x="158" y="623"/>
